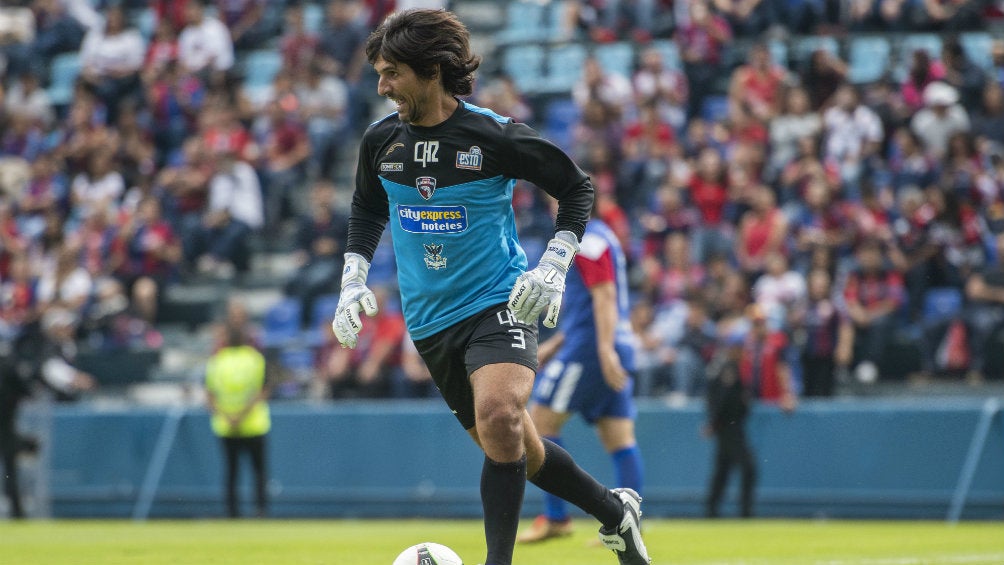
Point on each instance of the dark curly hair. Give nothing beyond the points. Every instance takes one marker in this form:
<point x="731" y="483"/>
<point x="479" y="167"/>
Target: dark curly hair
<point x="425" y="40"/>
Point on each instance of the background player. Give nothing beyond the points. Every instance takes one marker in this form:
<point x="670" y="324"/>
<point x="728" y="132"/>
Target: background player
<point x="590" y="372"/>
<point x="441" y="172"/>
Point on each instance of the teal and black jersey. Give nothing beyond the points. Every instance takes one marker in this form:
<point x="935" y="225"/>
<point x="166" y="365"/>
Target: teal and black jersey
<point x="447" y="192"/>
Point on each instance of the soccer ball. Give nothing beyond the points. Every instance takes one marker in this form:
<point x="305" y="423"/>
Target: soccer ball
<point x="428" y="553"/>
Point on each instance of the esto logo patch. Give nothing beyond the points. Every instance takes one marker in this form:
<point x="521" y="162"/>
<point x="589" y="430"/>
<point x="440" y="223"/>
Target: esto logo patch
<point x="426" y="186"/>
<point x="434" y="256"/>
<point x="432" y="219"/>
<point x="471" y="160"/>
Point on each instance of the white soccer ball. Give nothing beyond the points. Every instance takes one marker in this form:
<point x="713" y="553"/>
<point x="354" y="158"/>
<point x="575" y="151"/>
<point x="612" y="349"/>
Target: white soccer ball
<point x="428" y="553"/>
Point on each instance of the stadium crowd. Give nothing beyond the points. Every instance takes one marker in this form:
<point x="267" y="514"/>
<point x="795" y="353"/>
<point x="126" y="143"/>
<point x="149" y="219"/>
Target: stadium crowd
<point x="833" y="218"/>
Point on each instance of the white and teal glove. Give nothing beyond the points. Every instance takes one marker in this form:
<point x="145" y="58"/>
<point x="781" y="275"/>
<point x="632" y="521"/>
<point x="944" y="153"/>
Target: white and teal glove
<point x="543" y="285"/>
<point x="354" y="296"/>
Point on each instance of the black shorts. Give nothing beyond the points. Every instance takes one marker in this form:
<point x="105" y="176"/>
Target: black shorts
<point x="488" y="337"/>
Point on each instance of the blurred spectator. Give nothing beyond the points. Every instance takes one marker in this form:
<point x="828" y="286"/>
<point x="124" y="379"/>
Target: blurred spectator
<point x="953" y="15"/>
<point x="233" y="213"/>
<point x="941" y="117"/>
<point x="237" y="392"/>
<point x="748" y="17"/>
<point x="822" y="76"/>
<point x="324" y="101"/>
<point x="610" y="89"/>
<point x="984" y="314"/>
<point x="780" y="292"/>
<point x="922" y="72"/>
<point x="988" y="117"/>
<point x="285" y="148"/>
<point x="756" y="87"/>
<point x="817" y="329"/>
<point x="762" y="365"/>
<point x="853" y="136"/>
<point x="670" y="213"/>
<point x="659" y="332"/>
<point x="98" y="187"/>
<point x="671" y="274"/>
<point x="909" y="164"/>
<point x="342" y="40"/>
<point x="161" y="52"/>
<point x="27" y="99"/>
<point x="366" y="371"/>
<point x="59" y="28"/>
<point x="173" y="12"/>
<point x="63" y="284"/>
<point x="111" y="59"/>
<point x="656" y="82"/>
<point x="251" y="22"/>
<point x="646" y="148"/>
<point x="298" y="46"/>
<point x="795" y="121"/>
<point x="320" y="243"/>
<point x="915" y="251"/>
<point x="762" y="231"/>
<point x="701" y="42"/>
<point x="174" y="98"/>
<point x="47" y="191"/>
<point x="502" y="94"/>
<point x="872" y="294"/>
<point x="728" y="405"/>
<point x="962" y="73"/>
<point x="695" y="348"/>
<point x="708" y="190"/>
<point x="149" y="253"/>
<point x="204" y="45"/>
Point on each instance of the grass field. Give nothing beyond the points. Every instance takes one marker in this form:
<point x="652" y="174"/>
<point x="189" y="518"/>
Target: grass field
<point x="341" y="542"/>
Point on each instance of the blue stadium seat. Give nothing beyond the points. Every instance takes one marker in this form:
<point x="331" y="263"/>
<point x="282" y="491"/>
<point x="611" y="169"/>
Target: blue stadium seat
<point x="260" y="67"/>
<point x="715" y="108"/>
<point x="802" y="48"/>
<point x="616" y="58"/>
<point x="561" y="115"/>
<point x="564" y="67"/>
<point x="942" y="303"/>
<point x="524" y="63"/>
<point x="977" y="47"/>
<point x="281" y="324"/>
<point x="925" y="41"/>
<point x="778" y="51"/>
<point x="670" y="53"/>
<point x="146" y="22"/>
<point x="524" y="23"/>
<point x="868" y="59"/>
<point x="63" y="72"/>
<point x="313" y="17"/>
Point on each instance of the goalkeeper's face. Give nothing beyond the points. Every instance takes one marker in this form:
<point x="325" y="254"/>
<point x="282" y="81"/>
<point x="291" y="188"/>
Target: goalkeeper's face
<point x="413" y="96"/>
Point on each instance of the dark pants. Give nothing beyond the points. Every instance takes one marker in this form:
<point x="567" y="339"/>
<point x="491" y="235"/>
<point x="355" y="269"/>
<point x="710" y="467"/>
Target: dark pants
<point x="255" y="448"/>
<point x="9" y="444"/>
<point x="733" y="450"/>
<point x="818" y="375"/>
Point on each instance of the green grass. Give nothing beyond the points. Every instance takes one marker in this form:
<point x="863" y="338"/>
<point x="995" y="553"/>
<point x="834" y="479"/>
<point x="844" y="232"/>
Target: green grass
<point x="348" y="542"/>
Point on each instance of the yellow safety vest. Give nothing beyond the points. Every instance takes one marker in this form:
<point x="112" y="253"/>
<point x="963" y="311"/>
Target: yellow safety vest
<point x="234" y="376"/>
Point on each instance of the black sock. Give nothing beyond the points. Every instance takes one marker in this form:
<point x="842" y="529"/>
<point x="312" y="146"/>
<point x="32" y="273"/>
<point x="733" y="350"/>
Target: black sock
<point x="502" y="487"/>
<point x="562" y="477"/>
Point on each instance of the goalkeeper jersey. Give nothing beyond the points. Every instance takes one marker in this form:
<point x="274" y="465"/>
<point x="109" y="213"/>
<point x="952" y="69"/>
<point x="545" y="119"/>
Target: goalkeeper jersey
<point x="446" y="191"/>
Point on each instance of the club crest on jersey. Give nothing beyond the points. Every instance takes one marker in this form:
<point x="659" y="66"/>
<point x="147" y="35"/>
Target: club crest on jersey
<point x="470" y="160"/>
<point x="434" y="256"/>
<point x="426" y="186"/>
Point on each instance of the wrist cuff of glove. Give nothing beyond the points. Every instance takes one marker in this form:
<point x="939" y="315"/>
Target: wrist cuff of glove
<point x="561" y="250"/>
<point x="356" y="269"/>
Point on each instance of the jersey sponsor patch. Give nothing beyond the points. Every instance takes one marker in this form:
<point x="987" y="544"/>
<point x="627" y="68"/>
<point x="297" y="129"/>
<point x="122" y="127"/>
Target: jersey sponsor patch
<point x="470" y="160"/>
<point x="391" y="167"/>
<point x="432" y="219"/>
<point x="434" y="258"/>
<point x="426" y="186"/>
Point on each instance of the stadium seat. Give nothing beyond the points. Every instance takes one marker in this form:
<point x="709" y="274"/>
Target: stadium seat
<point x="281" y="325"/>
<point x="616" y="58"/>
<point x="564" y="67"/>
<point x="524" y="63"/>
<point x="941" y="303"/>
<point x="313" y="17"/>
<point x="977" y="47"/>
<point x="868" y="59"/>
<point x="524" y="23"/>
<point x="561" y="116"/>
<point x="910" y="43"/>
<point x="670" y="53"/>
<point x="715" y="108"/>
<point x="323" y="309"/>
<point x="260" y="67"/>
<point x="778" y="52"/>
<point x="146" y="22"/>
<point x="63" y="73"/>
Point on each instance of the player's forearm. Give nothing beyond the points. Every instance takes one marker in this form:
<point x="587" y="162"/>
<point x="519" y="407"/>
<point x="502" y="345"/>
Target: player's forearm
<point x="605" y="312"/>
<point x="365" y="230"/>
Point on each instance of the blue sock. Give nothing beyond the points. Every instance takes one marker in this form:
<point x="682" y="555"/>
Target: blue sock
<point x="555" y="508"/>
<point x="628" y="470"/>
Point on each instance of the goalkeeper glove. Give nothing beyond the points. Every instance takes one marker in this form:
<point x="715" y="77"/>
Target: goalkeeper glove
<point x="543" y="285"/>
<point x="353" y="297"/>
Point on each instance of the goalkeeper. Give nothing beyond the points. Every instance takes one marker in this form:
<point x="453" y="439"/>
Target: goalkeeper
<point x="441" y="171"/>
